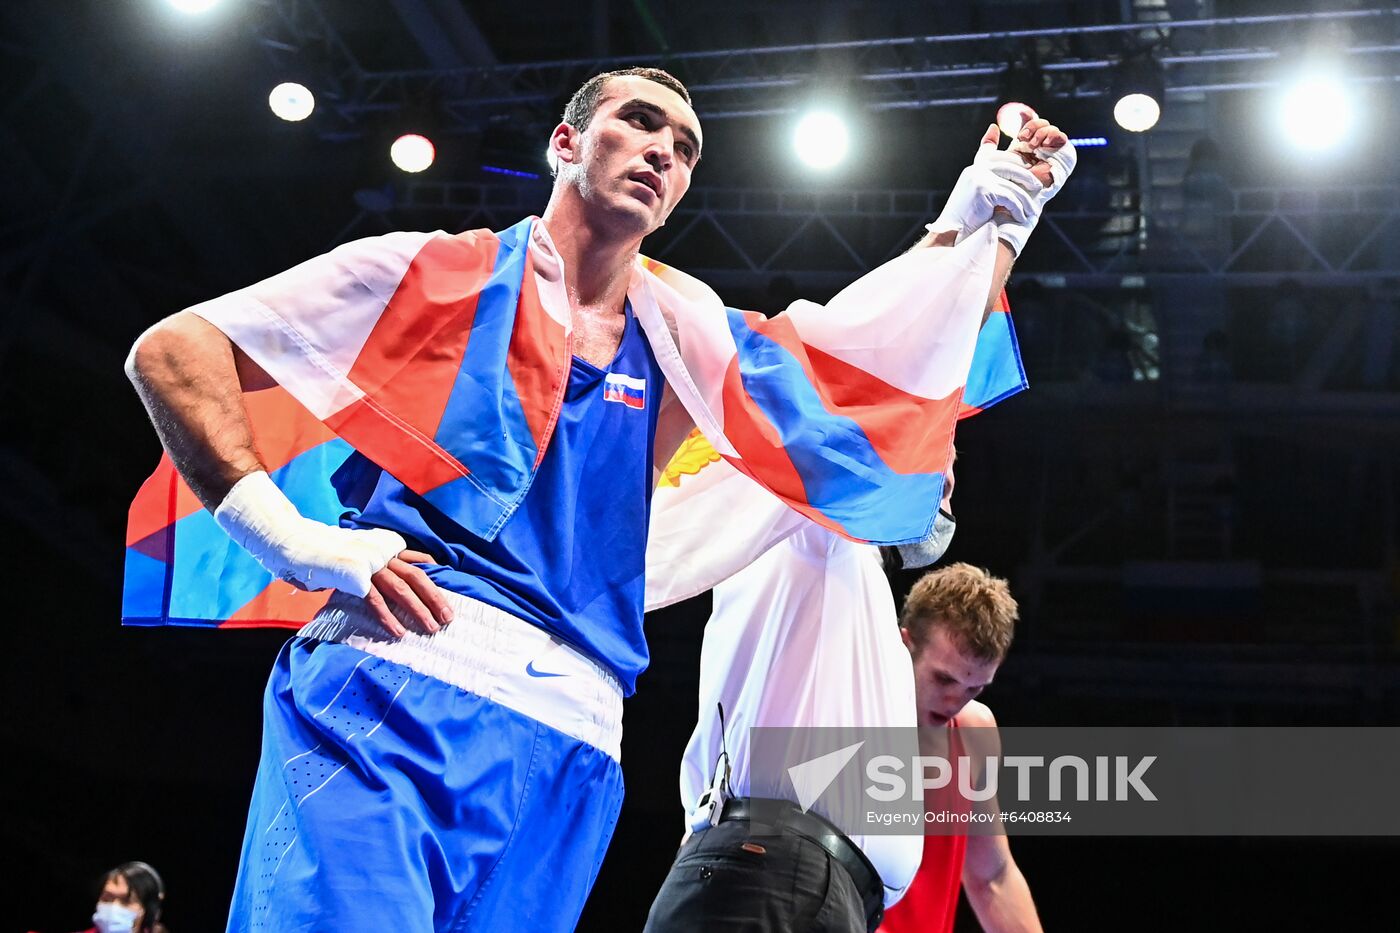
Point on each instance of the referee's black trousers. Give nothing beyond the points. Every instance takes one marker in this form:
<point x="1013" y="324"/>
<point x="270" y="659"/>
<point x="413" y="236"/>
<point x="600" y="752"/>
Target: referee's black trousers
<point x="727" y="879"/>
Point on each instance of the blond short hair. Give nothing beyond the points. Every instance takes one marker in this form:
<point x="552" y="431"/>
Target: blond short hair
<point x="973" y="606"/>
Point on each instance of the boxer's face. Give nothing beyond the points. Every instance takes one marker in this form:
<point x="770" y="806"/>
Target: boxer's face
<point x="945" y="677"/>
<point x="632" y="163"/>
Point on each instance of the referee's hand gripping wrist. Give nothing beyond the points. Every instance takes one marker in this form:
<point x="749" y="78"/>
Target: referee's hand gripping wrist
<point x="994" y="182"/>
<point x="370" y="563"/>
<point x="1043" y="152"/>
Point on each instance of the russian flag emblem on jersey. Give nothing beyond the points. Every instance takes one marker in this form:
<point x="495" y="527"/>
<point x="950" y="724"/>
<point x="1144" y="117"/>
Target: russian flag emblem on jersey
<point x="629" y="390"/>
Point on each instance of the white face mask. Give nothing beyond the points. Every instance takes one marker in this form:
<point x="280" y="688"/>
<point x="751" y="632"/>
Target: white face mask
<point x="925" y="552"/>
<point x="114" y="918"/>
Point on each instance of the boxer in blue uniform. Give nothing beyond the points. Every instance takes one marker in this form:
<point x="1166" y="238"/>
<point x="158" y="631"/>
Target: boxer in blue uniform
<point x="419" y="775"/>
<point x="506" y="809"/>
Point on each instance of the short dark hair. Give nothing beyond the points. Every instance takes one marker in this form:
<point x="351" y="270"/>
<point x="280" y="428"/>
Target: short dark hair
<point x="975" y="607"/>
<point x="579" y="112"/>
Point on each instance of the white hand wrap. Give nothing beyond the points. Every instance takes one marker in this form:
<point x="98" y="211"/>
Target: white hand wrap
<point x="263" y="521"/>
<point x="980" y="190"/>
<point x="1009" y="165"/>
<point x="977" y="193"/>
<point x="1001" y="179"/>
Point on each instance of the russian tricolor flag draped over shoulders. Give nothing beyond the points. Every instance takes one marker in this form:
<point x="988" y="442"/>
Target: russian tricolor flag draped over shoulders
<point x="444" y="359"/>
<point x="847" y="411"/>
<point x="709" y="520"/>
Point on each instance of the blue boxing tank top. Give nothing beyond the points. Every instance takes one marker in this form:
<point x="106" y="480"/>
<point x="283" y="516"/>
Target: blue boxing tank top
<point x="572" y="558"/>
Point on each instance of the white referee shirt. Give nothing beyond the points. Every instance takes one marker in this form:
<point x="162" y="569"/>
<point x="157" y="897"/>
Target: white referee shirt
<point x="806" y="635"/>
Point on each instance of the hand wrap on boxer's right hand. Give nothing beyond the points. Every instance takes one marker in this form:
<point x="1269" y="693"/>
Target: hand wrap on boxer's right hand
<point x="311" y="554"/>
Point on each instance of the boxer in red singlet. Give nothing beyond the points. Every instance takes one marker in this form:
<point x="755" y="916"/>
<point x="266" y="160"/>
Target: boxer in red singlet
<point x="957" y="624"/>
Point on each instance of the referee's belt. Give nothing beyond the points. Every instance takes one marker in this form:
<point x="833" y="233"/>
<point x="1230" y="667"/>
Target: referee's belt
<point x="786" y="816"/>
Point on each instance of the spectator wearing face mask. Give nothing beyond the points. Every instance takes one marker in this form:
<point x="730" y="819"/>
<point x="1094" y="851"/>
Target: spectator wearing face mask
<point x="130" y="902"/>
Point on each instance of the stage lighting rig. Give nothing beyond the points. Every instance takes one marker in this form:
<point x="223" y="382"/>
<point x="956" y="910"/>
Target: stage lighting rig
<point x="1139" y="90"/>
<point x="1317" y="111"/>
<point x="821" y="139"/>
<point x="417" y="130"/>
<point x="291" y="101"/>
<point x="412" y="152"/>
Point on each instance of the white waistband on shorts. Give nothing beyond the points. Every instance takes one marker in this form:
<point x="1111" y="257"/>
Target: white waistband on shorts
<point x="493" y="654"/>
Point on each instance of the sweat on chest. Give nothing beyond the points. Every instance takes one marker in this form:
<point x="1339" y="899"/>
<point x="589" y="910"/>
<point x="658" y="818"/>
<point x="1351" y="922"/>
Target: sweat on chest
<point x="596" y="336"/>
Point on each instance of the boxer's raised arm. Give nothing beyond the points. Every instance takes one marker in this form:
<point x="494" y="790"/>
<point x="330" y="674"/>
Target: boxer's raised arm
<point x="1008" y="188"/>
<point x="1006" y="258"/>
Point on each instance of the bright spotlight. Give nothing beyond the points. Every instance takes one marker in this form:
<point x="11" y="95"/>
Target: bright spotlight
<point x="194" y="6"/>
<point x="1137" y="113"/>
<point x="1140" y="89"/>
<point x="1013" y="115"/>
<point x="412" y="153"/>
<point x="291" y="101"/>
<point x="1317" y="112"/>
<point x="821" y="140"/>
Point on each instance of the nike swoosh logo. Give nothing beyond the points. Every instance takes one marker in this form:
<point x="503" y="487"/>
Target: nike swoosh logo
<point x="530" y="669"/>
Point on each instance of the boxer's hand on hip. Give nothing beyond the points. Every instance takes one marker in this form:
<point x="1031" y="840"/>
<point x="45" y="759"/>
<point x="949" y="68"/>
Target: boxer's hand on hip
<point x="402" y="585"/>
<point x="369" y="563"/>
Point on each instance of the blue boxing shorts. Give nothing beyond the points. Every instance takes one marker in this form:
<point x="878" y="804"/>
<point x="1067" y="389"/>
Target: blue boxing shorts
<point x="468" y="780"/>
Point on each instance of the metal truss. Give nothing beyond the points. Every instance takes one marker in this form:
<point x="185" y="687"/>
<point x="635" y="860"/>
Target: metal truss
<point x="1254" y="236"/>
<point x="300" y="39"/>
<point x="894" y="73"/>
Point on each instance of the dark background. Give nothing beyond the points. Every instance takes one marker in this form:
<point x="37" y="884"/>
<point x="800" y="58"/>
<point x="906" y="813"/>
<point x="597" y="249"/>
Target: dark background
<point x="1196" y="502"/>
